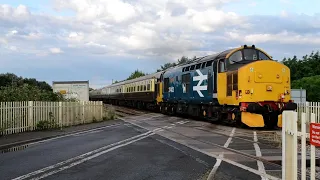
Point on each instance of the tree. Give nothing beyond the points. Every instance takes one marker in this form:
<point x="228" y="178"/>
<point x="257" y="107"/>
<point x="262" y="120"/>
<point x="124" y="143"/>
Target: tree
<point x="305" y="73"/>
<point x="308" y="66"/>
<point x="180" y="61"/>
<point x="136" y="74"/>
<point x="28" y="92"/>
<point x="14" y="88"/>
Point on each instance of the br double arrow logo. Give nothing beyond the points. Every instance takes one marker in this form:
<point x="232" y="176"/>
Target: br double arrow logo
<point x="198" y="87"/>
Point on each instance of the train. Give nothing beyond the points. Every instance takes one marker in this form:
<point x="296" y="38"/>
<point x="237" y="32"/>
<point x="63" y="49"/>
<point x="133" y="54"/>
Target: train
<point x="242" y="86"/>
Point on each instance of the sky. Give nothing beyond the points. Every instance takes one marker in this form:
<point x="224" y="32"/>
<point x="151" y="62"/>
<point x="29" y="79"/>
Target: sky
<point x="105" y="40"/>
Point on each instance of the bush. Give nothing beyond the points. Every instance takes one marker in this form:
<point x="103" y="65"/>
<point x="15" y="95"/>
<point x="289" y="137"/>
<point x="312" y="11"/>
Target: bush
<point x="109" y="114"/>
<point x="47" y="124"/>
<point x="28" y="93"/>
<point x="312" y="86"/>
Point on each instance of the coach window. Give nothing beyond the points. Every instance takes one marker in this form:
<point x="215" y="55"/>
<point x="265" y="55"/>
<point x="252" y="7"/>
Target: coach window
<point x="198" y="66"/>
<point x="148" y="87"/>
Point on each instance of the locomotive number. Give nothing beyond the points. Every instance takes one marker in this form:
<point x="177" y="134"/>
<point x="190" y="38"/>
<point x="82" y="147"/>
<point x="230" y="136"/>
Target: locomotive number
<point x="171" y="89"/>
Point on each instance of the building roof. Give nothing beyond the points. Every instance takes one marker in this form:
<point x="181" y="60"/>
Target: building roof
<point x="70" y="82"/>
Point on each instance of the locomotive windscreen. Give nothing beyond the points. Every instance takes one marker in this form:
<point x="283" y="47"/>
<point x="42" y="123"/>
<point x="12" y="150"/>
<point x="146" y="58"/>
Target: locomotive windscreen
<point x="247" y="55"/>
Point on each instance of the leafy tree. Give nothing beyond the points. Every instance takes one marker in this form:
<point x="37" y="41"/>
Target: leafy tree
<point x="305" y="73"/>
<point x="28" y="92"/>
<point x="180" y="61"/>
<point x="312" y="86"/>
<point x="136" y="74"/>
<point x="308" y="66"/>
<point x="10" y="79"/>
<point x="14" y="88"/>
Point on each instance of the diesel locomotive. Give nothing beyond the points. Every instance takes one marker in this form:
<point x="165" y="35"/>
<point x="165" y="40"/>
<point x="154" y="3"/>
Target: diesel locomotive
<point x="243" y="86"/>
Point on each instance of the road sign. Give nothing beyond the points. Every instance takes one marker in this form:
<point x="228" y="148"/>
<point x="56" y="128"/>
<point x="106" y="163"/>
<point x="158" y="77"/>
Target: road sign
<point x="315" y="134"/>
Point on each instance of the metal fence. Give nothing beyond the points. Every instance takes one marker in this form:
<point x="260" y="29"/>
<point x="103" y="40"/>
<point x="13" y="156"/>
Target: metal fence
<point x="290" y="136"/>
<point x="309" y="107"/>
<point x="16" y="117"/>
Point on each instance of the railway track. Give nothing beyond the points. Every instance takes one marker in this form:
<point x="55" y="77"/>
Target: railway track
<point x="213" y="145"/>
<point x="270" y="135"/>
<point x="123" y="111"/>
<point x="239" y="136"/>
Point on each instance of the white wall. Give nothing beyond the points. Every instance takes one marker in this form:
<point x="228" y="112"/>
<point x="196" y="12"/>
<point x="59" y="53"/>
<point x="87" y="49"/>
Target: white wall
<point x="299" y="95"/>
<point x="73" y="90"/>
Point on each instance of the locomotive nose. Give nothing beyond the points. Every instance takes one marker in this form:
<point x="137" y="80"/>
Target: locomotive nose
<point x="267" y="80"/>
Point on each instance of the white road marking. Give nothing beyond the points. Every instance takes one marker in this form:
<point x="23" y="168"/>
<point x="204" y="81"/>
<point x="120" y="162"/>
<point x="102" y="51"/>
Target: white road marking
<point x="258" y="154"/>
<point x="212" y="155"/>
<point x="82" y="156"/>
<point x="180" y="122"/>
<point x="91" y="132"/>
<point x="90" y="157"/>
<point x="218" y="162"/>
<point x="157" y="129"/>
<point x="77" y="133"/>
<point x="139" y="120"/>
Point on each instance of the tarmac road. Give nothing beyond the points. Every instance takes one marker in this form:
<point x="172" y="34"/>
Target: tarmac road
<point x="142" y="147"/>
<point x="106" y="156"/>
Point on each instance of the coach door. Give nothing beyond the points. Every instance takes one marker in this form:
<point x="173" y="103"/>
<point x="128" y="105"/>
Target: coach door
<point x="214" y="79"/>
<point x="221" y="80"/>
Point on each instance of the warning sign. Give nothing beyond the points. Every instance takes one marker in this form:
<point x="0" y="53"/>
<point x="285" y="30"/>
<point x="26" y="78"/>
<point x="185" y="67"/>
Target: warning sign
<point x="315" y="134"/>
<point x="63" y="92"/>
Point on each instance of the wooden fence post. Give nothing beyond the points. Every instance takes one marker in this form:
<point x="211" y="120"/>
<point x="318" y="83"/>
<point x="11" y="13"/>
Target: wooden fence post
<point x="60" y="114"/>
<point x="101" y="109"/>
<point x="303" y="146"/>
<point x="30" y="115"/>
<point x="313" y="152"/>
<point x="83" y="116"/>
<point x="289" y="146"/>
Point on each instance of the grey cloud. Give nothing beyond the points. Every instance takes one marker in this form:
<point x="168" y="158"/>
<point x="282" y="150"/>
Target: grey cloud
<point x="301" y="24"/>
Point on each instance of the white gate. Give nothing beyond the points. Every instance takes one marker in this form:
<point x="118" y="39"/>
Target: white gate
<point x="290" y="136"/>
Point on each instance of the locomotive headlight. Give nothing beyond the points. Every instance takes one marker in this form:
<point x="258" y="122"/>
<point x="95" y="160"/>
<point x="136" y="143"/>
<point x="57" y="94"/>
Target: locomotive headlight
<point x="269" y="88"/>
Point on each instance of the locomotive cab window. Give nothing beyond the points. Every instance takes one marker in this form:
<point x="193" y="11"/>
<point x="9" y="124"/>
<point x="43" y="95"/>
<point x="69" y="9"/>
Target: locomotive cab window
<point x="221" y="67"/>
<point x="235" y="57"/>
<point x="247" y="55"/>
<point x="263" y="56"/>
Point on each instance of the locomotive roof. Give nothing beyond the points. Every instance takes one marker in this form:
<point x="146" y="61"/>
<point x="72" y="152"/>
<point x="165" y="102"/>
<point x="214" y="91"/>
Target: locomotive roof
<point x="207" y="58"/>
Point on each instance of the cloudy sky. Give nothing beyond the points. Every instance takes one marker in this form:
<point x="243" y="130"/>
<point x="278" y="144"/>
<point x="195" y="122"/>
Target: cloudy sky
<point x="101" y="40"/>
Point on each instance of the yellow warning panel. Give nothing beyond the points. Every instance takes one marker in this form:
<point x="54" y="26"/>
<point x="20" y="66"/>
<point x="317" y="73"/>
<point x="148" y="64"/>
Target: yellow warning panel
<point x="63" y="92"/>
<point x="280" y="120"/>
<point x="252" y="120"/>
